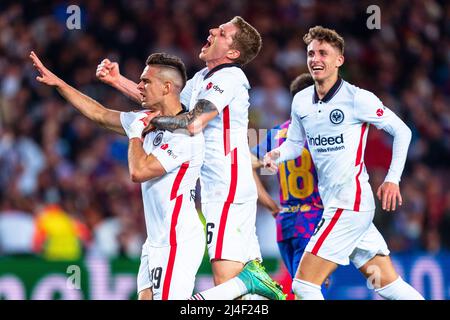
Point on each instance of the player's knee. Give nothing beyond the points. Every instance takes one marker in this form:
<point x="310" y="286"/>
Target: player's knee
<point x="145" y="294"/>
<point x="222" y="276"/>
<point x="224" y="270"/>
<point x="399" y="290"/>
<point x="305" y="290"/>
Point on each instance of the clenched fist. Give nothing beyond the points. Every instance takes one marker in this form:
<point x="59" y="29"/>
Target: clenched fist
<point x="108" y="72"/>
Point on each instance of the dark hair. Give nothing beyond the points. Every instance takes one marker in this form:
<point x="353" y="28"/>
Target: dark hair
<point x="167" y="60"/>
<point x="324" y="34"/>
<point x="301" y="82"/>
<point x="247" y="40"/>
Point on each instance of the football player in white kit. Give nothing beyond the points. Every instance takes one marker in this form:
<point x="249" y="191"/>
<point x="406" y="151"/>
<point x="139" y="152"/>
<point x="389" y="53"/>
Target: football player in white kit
<point x="218" y="100"/>
<point x="334" y="117"/>
<point x="167" y="164"/>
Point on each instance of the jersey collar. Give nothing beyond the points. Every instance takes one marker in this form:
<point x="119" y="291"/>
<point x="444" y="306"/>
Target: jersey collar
<point x="221" y="66"/>
<point x="184" y="109"/>
<point x="330" y="94"/>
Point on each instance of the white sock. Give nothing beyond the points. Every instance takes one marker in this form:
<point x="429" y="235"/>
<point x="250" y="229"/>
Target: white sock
<point x="305" y="290"/>
<point x="228" y="290"/>
<point x="250" y="296"/>
<point x="399" y="290"/>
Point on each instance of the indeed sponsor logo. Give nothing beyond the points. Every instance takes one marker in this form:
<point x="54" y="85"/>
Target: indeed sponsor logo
<point x="325" y="141"/>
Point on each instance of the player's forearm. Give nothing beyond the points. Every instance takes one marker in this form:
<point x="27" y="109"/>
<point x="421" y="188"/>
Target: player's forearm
<point x="128" y="88"/>
<point x="193" y="121"/>
<point x="263" y="196"/>
<point x="289" y="150"/>
<point x="140" y="163"/>
<point x="90" y="108"/>
<point x="256" y="164"/>
<point x="402" y="137"/>
<point x="172" y="123"/>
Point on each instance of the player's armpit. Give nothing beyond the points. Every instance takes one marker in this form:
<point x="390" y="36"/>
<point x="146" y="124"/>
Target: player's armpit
<point x="194" y="121"/>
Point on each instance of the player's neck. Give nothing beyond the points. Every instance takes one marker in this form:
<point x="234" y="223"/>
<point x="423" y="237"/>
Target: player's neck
<point x="172" y="109"/>
<point x="217" y="62"/>
<point x="322" y="87"/>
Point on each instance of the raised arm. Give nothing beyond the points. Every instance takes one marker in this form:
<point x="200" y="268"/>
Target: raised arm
<point x="109" y="73"/>
<point x="93" y="110"/>
<point x="193" y="121"/>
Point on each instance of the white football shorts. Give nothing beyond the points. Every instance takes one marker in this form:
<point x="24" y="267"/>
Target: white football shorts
<point x="170" y="271"/>
<point x="344" y="235"/>
<point x="231" y="231"/>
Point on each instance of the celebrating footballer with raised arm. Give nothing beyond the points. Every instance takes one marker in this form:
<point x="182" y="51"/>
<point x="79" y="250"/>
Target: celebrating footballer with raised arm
<point x="218" y="100"/>
<point x="167" y="164"/>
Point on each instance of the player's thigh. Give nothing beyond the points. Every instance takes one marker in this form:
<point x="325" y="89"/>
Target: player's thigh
<point x="286" y="249"/>
<point x="299" y="244"/>
<point x="144" y="281"/>
<point x="173" y="268"/>
<point x="371" y="257"/>
<point x="370" y="245"/>
<point x="338" y="233"/>
<point x="231" y="231"/>
<point x="186" y="268"/>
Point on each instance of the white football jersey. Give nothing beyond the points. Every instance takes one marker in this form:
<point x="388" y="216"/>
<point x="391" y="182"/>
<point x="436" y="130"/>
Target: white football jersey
<point x="169" y="207"/>
<point x="226" y="175"/>
<point x="336" y="129"/>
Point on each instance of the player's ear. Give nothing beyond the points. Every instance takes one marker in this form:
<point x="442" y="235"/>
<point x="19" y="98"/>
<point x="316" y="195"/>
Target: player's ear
<point x="168" y="86"/>
<point x="233" y="54"/>
<point x="340" y="61"/>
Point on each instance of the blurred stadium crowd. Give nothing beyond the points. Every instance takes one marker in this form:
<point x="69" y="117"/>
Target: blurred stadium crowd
<point x="64" y="184"/>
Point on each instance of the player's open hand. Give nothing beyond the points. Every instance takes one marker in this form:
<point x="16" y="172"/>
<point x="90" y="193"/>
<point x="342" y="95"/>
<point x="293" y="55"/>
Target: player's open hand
<point x="47" y="77"/>
<point x="137" y="123"/>
<point x="108" y="72"/>
<point x="389" y="193"/>
<point x="269" y="160"/>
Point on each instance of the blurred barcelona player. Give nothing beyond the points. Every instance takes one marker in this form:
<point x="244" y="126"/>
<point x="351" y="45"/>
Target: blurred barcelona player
<point x="300" y="207"/>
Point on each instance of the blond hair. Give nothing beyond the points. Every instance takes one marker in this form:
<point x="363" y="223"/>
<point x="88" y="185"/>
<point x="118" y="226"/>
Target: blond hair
<point x="247" y="40"/>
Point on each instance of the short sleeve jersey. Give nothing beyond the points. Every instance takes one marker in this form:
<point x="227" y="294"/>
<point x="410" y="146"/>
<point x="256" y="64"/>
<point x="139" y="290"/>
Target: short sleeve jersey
<point x="169" y="206"/>
<point x="226" y="175"/>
